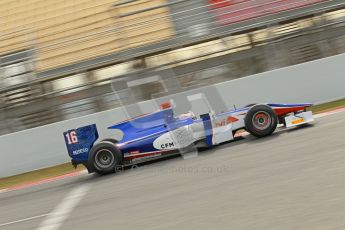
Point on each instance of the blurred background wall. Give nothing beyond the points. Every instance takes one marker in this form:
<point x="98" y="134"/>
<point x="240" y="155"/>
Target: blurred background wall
<point x="65" y="32"/>
<point x="65" y="59"/>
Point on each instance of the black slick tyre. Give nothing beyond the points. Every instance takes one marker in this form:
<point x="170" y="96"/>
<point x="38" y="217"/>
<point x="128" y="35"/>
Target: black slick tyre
<point x="112" y="140"/>
<point x="104" y="158"/>
<point x="261" y="121"/>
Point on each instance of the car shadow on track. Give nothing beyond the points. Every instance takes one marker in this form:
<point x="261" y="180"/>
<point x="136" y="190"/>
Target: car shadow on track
<point x="250" y="139"/>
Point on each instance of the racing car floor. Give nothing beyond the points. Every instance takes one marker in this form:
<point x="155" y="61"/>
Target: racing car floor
<point x="291" y="180"/>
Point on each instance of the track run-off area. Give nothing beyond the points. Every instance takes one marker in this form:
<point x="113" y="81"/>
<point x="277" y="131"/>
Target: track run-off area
<point x="293" y="179"/>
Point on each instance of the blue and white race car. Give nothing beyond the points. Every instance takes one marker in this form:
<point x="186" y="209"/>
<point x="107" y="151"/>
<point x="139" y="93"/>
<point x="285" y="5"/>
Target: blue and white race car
<point x="161" y="134"/>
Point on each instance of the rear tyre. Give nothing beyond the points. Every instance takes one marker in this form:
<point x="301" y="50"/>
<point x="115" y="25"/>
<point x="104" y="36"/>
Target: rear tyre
<point x="261" y="121"/>
<point x="112" y="140"/>
<point x="104" y="158"/>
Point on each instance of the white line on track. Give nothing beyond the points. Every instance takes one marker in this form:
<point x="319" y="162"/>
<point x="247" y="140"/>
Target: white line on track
<point x="23" y="220"/>
<point x="56" y="218"/>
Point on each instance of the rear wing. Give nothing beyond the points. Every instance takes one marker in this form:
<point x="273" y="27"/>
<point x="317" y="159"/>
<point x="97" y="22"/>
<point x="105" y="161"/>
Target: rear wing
<point x="80" y="141"/>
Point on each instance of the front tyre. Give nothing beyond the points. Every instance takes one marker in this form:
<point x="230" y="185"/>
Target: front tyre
<point x="261" y="121"/>
<point x="104" y="158"/>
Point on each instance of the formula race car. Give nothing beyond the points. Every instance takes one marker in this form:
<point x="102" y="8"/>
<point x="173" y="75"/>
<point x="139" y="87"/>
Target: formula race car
<point x="161" y="134"/>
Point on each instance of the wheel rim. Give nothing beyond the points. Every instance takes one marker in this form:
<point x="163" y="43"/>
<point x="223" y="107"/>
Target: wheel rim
<point x="104" y="158"/>
<point x="261" y="120"/>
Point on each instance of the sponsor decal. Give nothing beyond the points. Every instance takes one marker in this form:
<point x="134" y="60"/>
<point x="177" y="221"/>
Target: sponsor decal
<point x="134" y="152"/>
<point x="226" y="121"/>
<point x="298" y="121"/>
<point x="175" y="139"/>
<point x="221" y="123"/>
<point x="80" y="151"/>
<point x="231" y="119"/>
<point x="167" y="145"/>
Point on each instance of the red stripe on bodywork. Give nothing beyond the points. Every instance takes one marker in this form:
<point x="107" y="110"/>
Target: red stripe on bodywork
<point x="148" y="154"/>
<point x="283" y="111"/>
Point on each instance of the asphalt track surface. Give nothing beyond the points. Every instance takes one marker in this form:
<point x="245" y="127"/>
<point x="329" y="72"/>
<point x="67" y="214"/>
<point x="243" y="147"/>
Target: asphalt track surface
<point x="294" y="179"/>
